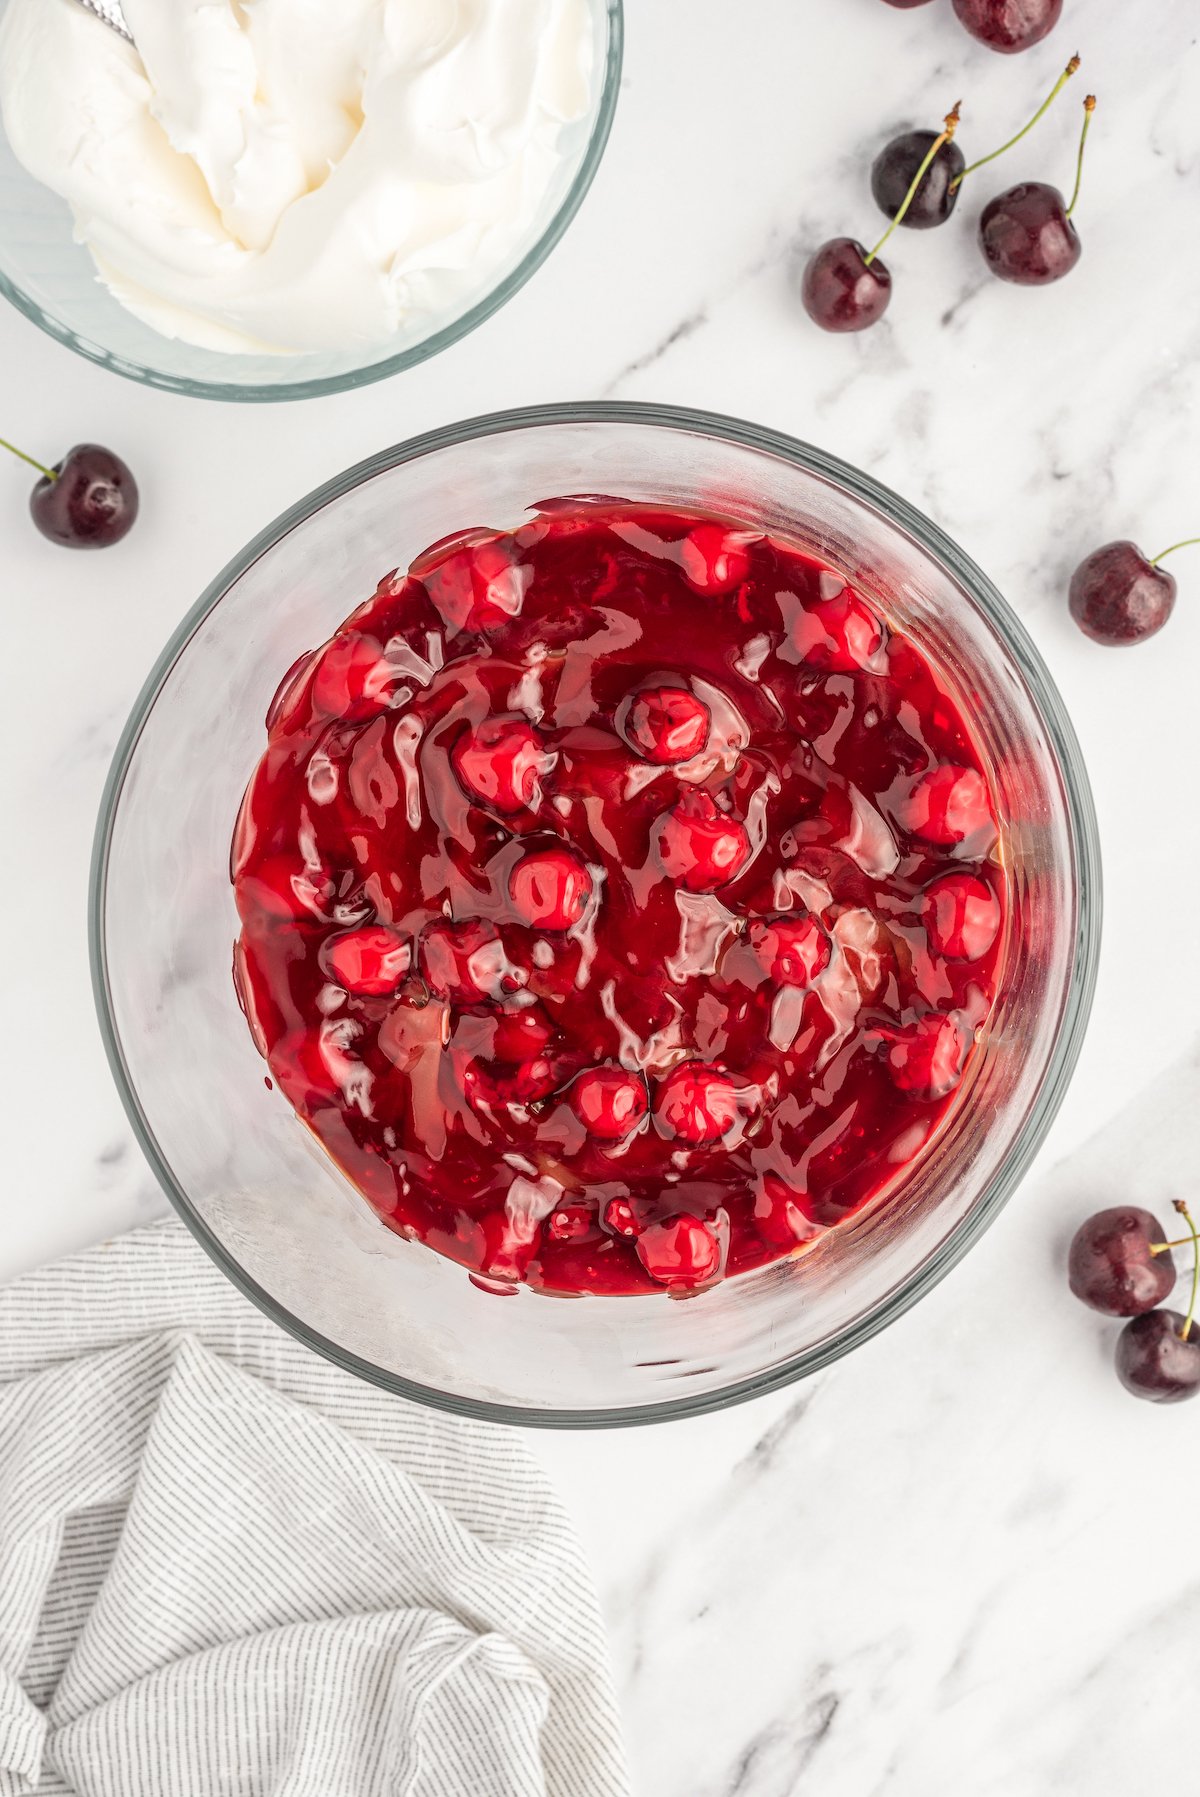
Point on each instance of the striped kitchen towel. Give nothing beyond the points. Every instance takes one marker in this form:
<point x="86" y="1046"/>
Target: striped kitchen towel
<point x="229" y="1569"/>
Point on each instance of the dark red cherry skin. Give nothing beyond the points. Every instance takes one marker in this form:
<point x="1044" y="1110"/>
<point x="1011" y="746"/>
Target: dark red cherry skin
<point x="91" y="504"/>
<point x="1110" y="1266"/>
<point x="841" y="290"/>
<point x="906" y="5"/>
<point x="1117" y="596"/>
<point x="894" y="170"/>
<point x="1009" y="25"/>
<point x="1155" y="1362"/>
<point x="1026" y="236"/>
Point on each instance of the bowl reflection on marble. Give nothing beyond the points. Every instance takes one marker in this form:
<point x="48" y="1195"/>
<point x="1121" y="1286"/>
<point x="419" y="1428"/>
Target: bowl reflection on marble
<point x="252" y="1183"/>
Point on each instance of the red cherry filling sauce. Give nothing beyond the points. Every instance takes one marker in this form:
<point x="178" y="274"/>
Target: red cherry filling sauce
<point x="621" y="899"/>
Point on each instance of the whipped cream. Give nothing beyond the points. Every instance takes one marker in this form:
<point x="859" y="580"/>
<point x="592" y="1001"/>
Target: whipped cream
<point x="299" y="175"/>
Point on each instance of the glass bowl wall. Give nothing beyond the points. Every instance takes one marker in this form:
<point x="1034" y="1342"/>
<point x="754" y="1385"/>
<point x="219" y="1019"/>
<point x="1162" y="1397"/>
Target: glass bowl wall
<point x="250" y="1180"/>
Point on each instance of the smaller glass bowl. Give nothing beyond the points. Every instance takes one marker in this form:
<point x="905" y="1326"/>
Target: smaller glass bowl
<point x="250" y="1180"/>
<point x="52" y="279"/>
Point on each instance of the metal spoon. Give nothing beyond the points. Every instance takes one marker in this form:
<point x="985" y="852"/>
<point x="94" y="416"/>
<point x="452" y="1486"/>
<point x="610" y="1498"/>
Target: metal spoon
<point x="110" y="12"/>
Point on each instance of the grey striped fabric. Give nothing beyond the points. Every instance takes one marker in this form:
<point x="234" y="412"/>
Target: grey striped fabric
<point x="228" y="1569"/>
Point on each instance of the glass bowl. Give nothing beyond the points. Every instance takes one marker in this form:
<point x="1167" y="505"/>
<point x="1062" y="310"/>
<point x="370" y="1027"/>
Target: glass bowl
<point x="249" y="1179"/>
<point x="52" y="279"/>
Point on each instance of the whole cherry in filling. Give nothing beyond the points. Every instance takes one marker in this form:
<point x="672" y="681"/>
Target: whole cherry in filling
<point x="622" y="899"/>
<point x="609" y="1102"/>
<point x="666" y="724"/>
<point x="792" y="951"/>
<point x="550" y="889"/>
<point x="369" y="961"/>
<point x="701" y="846"/>
<point x="499" y="761"/>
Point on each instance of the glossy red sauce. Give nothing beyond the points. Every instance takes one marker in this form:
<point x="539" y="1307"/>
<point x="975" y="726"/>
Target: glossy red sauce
<point x="620" y="898"/>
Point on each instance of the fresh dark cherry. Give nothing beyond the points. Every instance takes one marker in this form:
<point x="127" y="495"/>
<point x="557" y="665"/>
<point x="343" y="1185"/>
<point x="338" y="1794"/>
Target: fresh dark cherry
<point x="841" y="290"/>
<point x="1027" y="237"/>
<point x="895" y="168"/>
<point x="1009" y="25"/>
<point x="847" y="288"/>
<point x="1155" y="1361"/>
<point x="1111" y="1266"/>
<point x="906" y="5"/>
<point x="931" y="168"/>
<point x="89" y="500"/>
<point x="1026" y="233"/>
<point x="1117" y="596"/>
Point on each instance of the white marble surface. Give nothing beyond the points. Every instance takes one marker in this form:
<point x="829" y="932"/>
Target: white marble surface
<point x="963" y="1559"/>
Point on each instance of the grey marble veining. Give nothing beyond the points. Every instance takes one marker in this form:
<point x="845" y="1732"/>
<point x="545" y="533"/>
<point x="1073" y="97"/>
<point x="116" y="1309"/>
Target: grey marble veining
<point x="962" y="1559"/>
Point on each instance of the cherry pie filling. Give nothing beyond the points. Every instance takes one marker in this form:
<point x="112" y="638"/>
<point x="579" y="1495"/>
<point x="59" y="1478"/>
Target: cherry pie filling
<point x="621" y="900"/>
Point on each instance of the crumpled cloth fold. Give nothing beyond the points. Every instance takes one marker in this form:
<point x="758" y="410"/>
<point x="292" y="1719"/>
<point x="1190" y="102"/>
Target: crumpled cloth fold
<point x="229" y="1569"/>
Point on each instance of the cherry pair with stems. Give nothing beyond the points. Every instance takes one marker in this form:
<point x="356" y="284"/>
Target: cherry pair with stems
<point x="1026" y="234"/>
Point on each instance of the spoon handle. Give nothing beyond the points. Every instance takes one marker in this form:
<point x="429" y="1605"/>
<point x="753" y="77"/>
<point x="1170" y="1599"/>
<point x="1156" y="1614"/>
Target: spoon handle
<point x="110" y="12"/>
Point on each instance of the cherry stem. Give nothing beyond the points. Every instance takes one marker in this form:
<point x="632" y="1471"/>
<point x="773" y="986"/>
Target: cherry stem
<point x="1186" y="1214"/>
<point x="40" y="466"/>
<point x="1041" y="112"/>
<point x="949" y="128"/>
<point x="1089" y="107"/>
<point x="1163" y="553"/>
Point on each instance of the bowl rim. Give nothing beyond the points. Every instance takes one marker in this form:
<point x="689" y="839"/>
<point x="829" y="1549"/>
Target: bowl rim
<point x="1085" y="871"/>
<point x="613" y="13"/>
